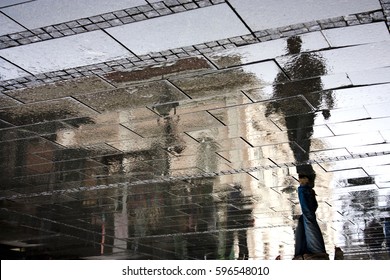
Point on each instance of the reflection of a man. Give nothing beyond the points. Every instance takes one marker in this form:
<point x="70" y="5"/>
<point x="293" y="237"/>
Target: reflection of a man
<point x="374" y="237"/>
<point x="305" y="71"/>
<point x="239" y="217"/>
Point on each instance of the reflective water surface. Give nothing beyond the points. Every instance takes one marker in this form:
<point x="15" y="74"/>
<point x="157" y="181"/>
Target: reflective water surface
<point x="199" y="159"/>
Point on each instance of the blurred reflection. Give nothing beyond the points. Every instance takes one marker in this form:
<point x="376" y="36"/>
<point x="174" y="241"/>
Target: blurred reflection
<point x="239" y="218"/>
<point x="300" y="127"/>
<point x="206" y="154"/>
<point x="203" y="244"/>
<point x="373" y="238"/>
<point x="387" y="233"/>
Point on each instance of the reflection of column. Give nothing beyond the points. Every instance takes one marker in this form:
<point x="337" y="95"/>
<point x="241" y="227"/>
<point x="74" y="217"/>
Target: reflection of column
<point x="103" y="241"/>
<point x="206" y="155"/>
<point x="121" y="224"/>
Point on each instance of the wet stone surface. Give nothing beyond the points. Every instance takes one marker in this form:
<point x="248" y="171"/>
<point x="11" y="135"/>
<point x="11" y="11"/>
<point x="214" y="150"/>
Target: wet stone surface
<point x="199" y="157"/>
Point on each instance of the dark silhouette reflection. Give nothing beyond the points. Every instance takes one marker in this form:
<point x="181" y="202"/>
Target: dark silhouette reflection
<point x="305" y="71"/>
<point x="239" y="219"/>
<point x="203" y="244"/>
<point x="387" y="234"/>
<point x="373" y="238"/>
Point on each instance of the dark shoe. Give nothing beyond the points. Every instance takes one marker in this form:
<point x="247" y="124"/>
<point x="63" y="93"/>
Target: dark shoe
<point x="318" y="256"/>
<point x="299" y="257"/>
<point x="338" y="253"/>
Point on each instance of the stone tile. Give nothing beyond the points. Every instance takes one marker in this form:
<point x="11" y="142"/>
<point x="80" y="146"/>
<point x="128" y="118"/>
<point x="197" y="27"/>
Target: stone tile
<point x="357" y="35"/>
<point x="254" y="111"/>
<point x="133" y="97"/>
<point x="6" y="101"/>
<point x="9" y="71"/>
<point x="347" y="141"/>
<point x="60" y="89"/>
<point x="265" y="50"/>
<point x="7" y="26"/>
<point x="6" y="3"/>
<point x="368" y="164"/>
<point x="370" y="125"/>
<point x="372" y="76"/>
<point x="273" y="14"/>
<point x="362" y="57"/>
<point x="30" y="13"/>
<point x="358" y="97"/>
<point x="232" y="80"/>
<point x="179" y="30"/>
<point x="45" y="111"/>
<point x="94" y="134"/>
<point x="67" y="52"/>
<point x="156" y="73"/>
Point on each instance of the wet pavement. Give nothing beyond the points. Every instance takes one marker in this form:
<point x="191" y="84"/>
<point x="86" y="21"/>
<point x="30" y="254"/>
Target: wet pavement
<point x="160" y="138"/>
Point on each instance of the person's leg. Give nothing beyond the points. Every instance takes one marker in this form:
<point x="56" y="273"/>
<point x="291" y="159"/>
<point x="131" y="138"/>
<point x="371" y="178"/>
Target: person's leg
<point x="300" y="240"/>
<point x="314" y="239"/>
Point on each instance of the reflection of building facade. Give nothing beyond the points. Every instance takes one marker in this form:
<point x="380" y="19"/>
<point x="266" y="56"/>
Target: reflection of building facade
<point x="242" y="215"/>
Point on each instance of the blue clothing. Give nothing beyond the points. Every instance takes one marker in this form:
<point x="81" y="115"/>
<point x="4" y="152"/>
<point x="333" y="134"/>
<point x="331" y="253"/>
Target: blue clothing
<point x="308" y="236"/>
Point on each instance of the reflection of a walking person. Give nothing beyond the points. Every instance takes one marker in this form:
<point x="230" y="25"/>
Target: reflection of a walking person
<point x="309" y="242"/>
<point x="373" y="237"/>
<point x="305" y="71"/>
<point x="239" y="219"/>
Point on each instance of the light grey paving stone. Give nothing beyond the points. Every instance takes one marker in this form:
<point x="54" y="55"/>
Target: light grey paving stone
<point x="260" y="15"/>
<point x="47" y="12"/>
<point x="357" y="35"/>
<point x="67" y="52"/>
<point x="9" y="71"/>
<point x="372" y="76"/>
<point x="8" y="26"/>
<point x="179" y="30"/>
<point x="266" y="50"/>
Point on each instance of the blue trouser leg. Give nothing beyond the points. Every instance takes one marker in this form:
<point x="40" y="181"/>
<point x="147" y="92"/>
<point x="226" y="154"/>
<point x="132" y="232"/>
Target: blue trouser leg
<point x="300" y="239"/>
<point x="314" y="239"/>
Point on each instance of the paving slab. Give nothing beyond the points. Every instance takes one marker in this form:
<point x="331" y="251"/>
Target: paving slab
<point x="348" y="59"/>
<point x="180" y="30"/>
<point x="6" y="3"/>
<point x="357" y="35"/>
<point x="265" y="50"/>
<point x="8" y="71"/>
<point x="60" y="89"/>
<point x="8" y="26"/>
<point x="372" y="76"/>
<point x="261" y="15"/>
<point x="67" y="52"/>
<point x="41" y="13"/>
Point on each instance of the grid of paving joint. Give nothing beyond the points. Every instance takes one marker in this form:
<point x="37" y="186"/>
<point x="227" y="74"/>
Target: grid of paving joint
<point x="134" y="61"/>
<point x="182" y="153"/>
<point x="102" y="21"/>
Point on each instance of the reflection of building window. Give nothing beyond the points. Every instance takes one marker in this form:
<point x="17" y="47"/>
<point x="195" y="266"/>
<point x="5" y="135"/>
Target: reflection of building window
<point x="207" y="157"/>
